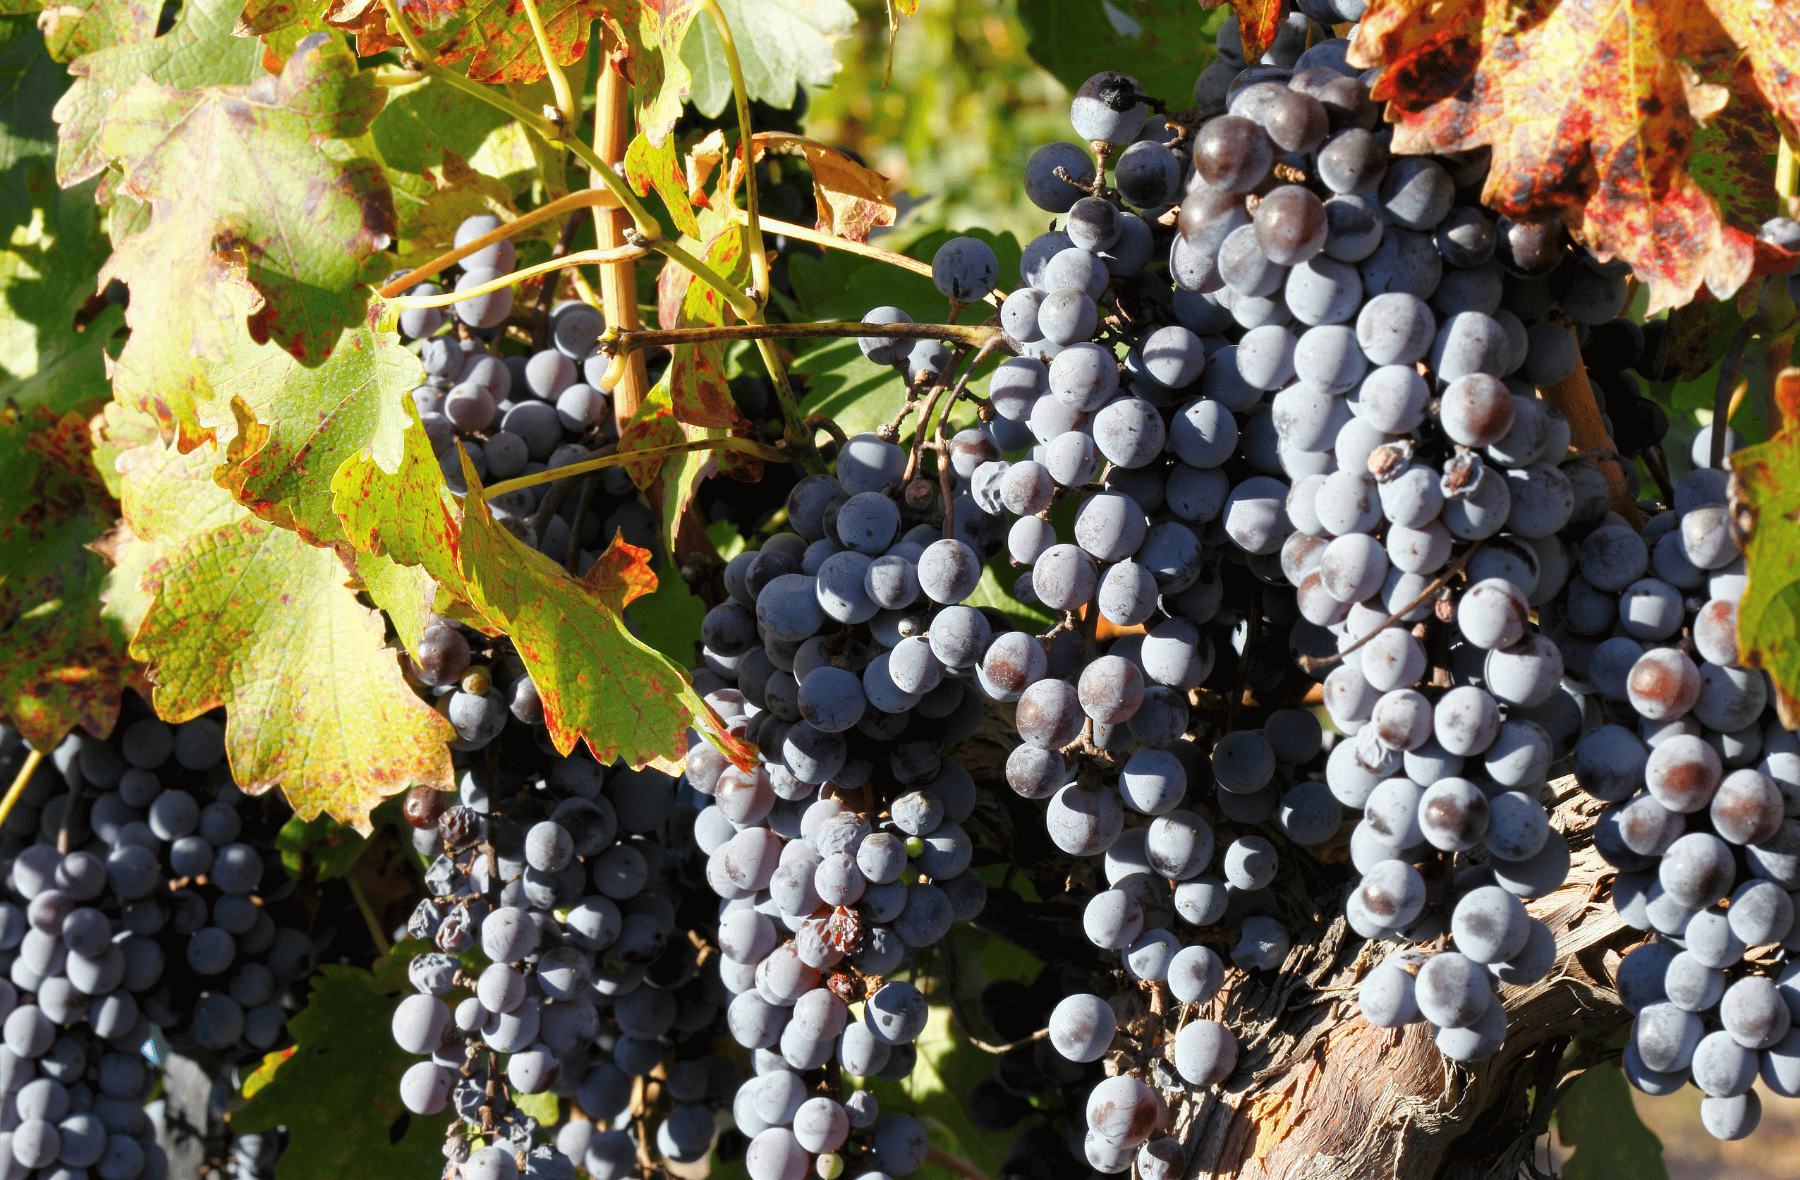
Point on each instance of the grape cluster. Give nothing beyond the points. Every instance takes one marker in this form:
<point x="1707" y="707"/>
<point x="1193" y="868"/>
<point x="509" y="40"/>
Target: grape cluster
<point x="518" y="414"/>
<point x="137" y="918"/>
<point x="1701" y="783"/>
<point x="843" y="853"/>
<point x="559" y="964"/>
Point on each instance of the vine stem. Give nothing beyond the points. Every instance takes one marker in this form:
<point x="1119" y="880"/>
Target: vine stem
<point x="962" y="1167"/>
<point x="559" y="81"/>
<point x="624" y="342"/>
<point x="18" y="784"/>
<point x="788" y="229"/>
<point x="618" y="281"/>
<point x="619" y="458"/>
<point x="580" y="257"/>
<point x="1723" y="403"/>
<point x="382" y="946"/>
<point x="1312" y="664"/>
<point x="759" y="259"/>
<point x="581" y="200"/>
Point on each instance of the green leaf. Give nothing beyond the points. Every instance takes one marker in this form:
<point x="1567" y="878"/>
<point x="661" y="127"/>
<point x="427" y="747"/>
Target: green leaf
<point x="668" y="618"/>
<point x="290" y="252"/>
<point x="339" y="1093"/>
<point x="324" y="843"/>
<point x="248" y="615"/>
<point x="1611" y="1141"/>
<point x="199" y="51"/>
<point x="1165" y="51"/>
<point x="1769" y="614"/>
<point x="782" y="45"/>
<point x="948" y="1066"/>
<point x="66" y="650"/>
<point x="298" y="425"/>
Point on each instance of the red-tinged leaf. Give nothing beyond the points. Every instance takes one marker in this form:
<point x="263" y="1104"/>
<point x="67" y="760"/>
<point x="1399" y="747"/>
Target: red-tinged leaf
<point x="74" y="29"/>
<point x="249" y="616"/>
<point x="1767" y="32"/>
<point x="1769" y="508"/>
<point x="652" y="426"/>
<point x="650" y="34"/>
<point x="285" y="257"/>
<point x="67" y="651"/>
<point x="406" y="515"/>
<point x="621" y="574"/>
<point x="1258" y="21"/>
<point x="493" y="36"/>
<point x="1731" y="154"/>
<point x="648" y="166"/>
<point x="598" y="682"/>
<point x="1586" y="104"/>
<point x="700" y="394"/>
<point x="852" y="199"/>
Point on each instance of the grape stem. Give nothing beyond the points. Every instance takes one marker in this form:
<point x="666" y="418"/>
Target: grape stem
<point x="1728" y="375"/>
<point x="586" y="198"/>
<point x="788" y="229"/>
<point x="615" y="342"/>
<point x="382" y="946"/>
<point x="1039" y="1035"/>
<point x="1313" y="663"/>
<point x="962" y="1167"/>
<point x="17" y="789"/>
<point x="567" y="108"/>
<point x="759" y="258"/>
<point x="579" y="258"/>
<point x="618" y="458"/>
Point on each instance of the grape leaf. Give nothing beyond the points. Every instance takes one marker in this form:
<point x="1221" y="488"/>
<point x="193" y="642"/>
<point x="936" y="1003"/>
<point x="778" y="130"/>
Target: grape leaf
<point x="1075" y="39"/>
<point x="650" y="36"/>
<point x="598" y="681"/>
<point x="248" y="615"/>
<point x="494" y="36"/>
<point x="699" y="392"/>
<point x="1589" y="108"/>
<point x="651" y="425"/>
<point x="1734" y="151"/>
<point x="72" y="30"/>
<point x="1258" y="21"/>
<point x="198" y="51"/>
<point x="293" y="248"/>
<point x="782" y="45"/>
<point x="66" y="652"/>
<point x="316" y="419"/>
<point x="1768" y="35"/>
<point x="1611" y="1142"/>
<point x="658" y="166"/>
<point x="338" y="1094"/>
<point x="852" y="199"/>
<point x="1769" y="614"/>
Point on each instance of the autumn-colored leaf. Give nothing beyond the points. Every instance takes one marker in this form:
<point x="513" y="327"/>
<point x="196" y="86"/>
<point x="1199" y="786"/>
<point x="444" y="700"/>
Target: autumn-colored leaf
<point x="1586" y="105"/>
<point x="294" y="426"/>
<point x="621" y="574"/>
<point x="652" y="425"/>
<point x="649" y="34"/>
<point x="1769" y="613"/>
<point x="284" y="255"/>
<point x="66" y="660"/>
<point x="493" y="36"/>
<point x="1767" y="32"/>
<point x="648" y="166"/>
<point x="72" y="30"/>
<point x="852" y="199"/>
<point x="1258" y="22"/>
<point x="248" y="615"/>
<point x="598" y="682"/>
<point x="700" y="394"/>
<point x="198" y="51"/>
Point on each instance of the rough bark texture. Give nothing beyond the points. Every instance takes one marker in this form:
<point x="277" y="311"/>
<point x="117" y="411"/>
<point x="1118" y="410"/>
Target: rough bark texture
<point x="1318" y="1093"/>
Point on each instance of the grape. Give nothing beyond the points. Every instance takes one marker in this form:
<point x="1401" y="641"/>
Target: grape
<point x="1663" y="684"/>
<point x="1045" y="189"/>
<point x="1353" y="161"/>
<point x="1731" y="1118"/>
<point x="1083" y="822"/>
<point x="1452" y="990"/>
<point x="948" y="571"/>
<point x="1323" y="290"/>
<point x="1489" y="925"/>
<point x="1289" y="227"/>
<point x="1386" y="995"/>
<point x="1082" y="1027"/>
<point x="964" y="269"/>
<point x="1403" y="262"/>
<point x="1465" y="721"/>
<point x="1129" y="432"/>
<point x="1232" y="154"/>
<point x="1084" y="376"/>
<point x="1205" y="1053"/>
